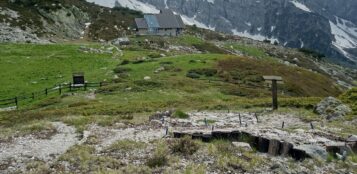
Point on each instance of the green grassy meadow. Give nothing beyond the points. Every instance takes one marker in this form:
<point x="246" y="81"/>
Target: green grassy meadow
<point x="206" y="81"/>
<point x="26" y="68"/>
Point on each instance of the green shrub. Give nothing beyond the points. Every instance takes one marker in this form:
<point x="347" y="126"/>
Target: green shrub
<point x="311" y="52"/>
<point x="166" y="63"/>
<point x="208" y="72"/>
<point x="184" y="146"/>
<point x="192" y="61"/>
<point x="160" y="157"/>
<point x="138" y="61"/>
<point x="120" y="70"/>
<point x="209" y="47"/>
<point x="124" y="62"/>
<point x="148" y="83"/>
<point x="266" y="41"/>
<point x="193" y="75"/>
<point x="49" y="102"/>
<point x="126" y="145"/>
<point x="154" y="55"/>
<point x="350" y="97"/>
<point x="181" y="114"/>
<point x="78" y="104"/>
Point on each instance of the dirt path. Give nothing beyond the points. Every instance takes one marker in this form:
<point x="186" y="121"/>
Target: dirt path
<point x="24" y="149"/>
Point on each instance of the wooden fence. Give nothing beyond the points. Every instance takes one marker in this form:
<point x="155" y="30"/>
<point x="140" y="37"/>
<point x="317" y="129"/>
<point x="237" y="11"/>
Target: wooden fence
<point x="58" y="89"/>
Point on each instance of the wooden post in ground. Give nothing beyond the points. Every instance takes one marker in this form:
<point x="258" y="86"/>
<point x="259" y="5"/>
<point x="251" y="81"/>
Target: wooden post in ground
<point x="274" y="80"/>
<point x="33" y="96"/>
<point x="274" y="89"/>
<point x="256" y="117"/>
<point x="240" y="120"/>
<point x="60" y="89"/>
<point x="85" y="86"/>
<point x="70" y="86"/>
<point x="46" y="91"/>
<point x="17" y="102"/>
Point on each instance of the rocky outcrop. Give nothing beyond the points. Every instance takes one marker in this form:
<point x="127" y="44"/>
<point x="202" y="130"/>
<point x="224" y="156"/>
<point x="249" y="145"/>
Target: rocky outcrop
<point x="66" y="22"/>
<point x="15" y="34"/>
<point x="31" y="21"/>
<point x="332" y="108"/>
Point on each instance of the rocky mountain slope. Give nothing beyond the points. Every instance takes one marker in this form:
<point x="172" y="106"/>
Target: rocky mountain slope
<point x="326" y="26"/>
<point x="39" y="21"/>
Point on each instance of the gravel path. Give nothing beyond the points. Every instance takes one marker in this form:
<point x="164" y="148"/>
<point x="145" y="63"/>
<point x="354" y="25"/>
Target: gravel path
<point x="108" y="136"/>
<point x="27" y="148"/>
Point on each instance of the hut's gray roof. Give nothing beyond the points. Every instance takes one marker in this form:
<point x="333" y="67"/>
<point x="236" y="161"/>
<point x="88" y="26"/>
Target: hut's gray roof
<point x="141" y="23"/>
<point x="165" y="19"/>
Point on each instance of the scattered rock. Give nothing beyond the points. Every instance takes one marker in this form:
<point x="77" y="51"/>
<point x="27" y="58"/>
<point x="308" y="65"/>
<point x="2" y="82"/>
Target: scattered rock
<point x="242" y="145"/>
<point x="314" y="151"/>
<point x="352" y="138"/>
<point x="121" y="41"/>
<point x="332" y="108"/>
<point x="147" y="78"/>
<point x="159" y="70"/>
<point x="102" y="50"/>
<point x="161" y="115"/>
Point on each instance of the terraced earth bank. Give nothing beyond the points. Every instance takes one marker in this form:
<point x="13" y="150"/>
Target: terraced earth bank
<point x="124" y="147"/>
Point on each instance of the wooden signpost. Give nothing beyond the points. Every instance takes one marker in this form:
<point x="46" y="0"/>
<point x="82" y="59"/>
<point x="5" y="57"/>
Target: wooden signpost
<point x="274" y="80"/>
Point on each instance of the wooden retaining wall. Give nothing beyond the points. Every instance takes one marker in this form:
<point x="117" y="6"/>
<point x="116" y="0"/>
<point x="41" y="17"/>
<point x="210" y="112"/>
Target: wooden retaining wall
<point x="262" y="144"/>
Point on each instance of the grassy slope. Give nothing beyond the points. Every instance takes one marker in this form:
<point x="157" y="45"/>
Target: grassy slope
<point x="28" y="68"/>
<point x="298" y="81"/>
<point x="131" y="98"/>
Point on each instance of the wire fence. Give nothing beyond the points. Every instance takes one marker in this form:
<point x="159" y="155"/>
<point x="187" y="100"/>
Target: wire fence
<point x="57" y="89"/>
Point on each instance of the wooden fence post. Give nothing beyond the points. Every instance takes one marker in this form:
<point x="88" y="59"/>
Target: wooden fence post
<point x="275" y="94"/>
<point x="33" y="96"/>
<point x="60" y="89"/>
<point x="17" y="102"/>
<point x="85" y="86"/>
<point x="240" y="120"/>
<point x="256" y="117"/>
<point x="70" y="86"/>
<point x="100" y="84"/>
<point x="46" y="91"/>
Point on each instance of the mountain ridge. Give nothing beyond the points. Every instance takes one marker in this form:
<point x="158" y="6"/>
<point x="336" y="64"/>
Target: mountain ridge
<point x="297" y="24"/>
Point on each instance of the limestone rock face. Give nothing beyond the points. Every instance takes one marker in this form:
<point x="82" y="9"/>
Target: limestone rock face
<point x="332" y="108"/>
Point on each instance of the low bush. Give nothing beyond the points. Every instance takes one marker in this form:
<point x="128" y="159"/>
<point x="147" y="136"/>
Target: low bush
<point x="208" y="72"/>
<point x="147" y="83"/>
<point x="154" y="55"/>
<point x="209" y="47"/>
<point x="311" y="52"/>
<point x="166" y="63"/>
<point x="184" y="146"/>
<point x="138" y="61"/>
<point x="181" y="114"/>
<point x="193" y="75"/>
<point x="49" y="102"/>
<point x="160" y="157"/>
<point x="120" y="70"/>
<point x="124" y="62"/>
<point x="126" y="145"/>
<point x="78" y="104"/>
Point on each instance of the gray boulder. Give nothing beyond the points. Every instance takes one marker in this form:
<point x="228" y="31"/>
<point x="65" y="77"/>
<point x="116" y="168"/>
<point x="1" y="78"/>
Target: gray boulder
<point x="314" y="151"/>
<point x="332" y="108"/>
